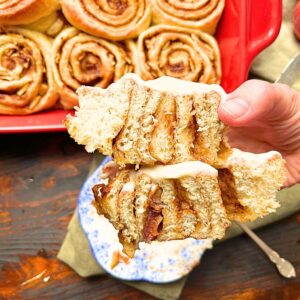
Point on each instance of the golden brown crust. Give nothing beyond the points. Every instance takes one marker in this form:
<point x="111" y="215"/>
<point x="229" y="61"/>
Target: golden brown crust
<point x="80" y="59"/>
<point x="178" y="52"/>
<point x="50" y="25"/>
<point x="116" y="21"/>
<point x="26" y="80"/>
<point x="200" y="15"/>
<point x="19" y="12"/>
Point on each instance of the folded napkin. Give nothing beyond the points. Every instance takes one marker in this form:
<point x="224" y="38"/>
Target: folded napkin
<point x="75" y="250"/>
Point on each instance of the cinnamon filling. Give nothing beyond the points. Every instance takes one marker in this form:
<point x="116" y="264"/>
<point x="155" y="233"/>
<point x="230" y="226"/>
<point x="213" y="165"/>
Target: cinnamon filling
<point x="118" y="5"/>
<point x="153" y="223"/>
<point x="228" y="192"/>
<point x="110" y="170"/>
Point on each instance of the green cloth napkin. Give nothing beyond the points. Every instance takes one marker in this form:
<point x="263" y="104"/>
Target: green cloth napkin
<point x="76" y="253"/>
<point x="75" y="250"/>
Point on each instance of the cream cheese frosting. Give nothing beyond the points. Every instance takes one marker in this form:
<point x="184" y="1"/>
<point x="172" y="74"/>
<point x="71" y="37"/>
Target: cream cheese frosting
<point x="251" y="160"/>
<point x="189" y="168"/>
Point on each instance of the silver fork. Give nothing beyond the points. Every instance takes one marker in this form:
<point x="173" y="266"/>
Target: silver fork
<point x="284" y="267"/>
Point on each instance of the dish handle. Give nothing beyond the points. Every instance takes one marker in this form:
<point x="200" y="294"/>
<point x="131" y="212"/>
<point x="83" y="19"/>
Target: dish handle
<point x="261" y="33"/>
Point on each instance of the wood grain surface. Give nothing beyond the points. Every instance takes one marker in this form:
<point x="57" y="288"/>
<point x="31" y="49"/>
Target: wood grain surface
<point x="40" y="177"/>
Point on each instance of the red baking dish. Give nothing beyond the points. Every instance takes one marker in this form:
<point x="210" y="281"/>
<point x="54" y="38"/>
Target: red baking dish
<point x="246" y="28"/>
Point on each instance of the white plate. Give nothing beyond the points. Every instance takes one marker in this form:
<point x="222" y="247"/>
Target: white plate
<point x="158" y="262"/>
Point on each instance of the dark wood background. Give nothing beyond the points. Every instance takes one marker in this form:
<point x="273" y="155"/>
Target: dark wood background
<point x="40" y="177"/>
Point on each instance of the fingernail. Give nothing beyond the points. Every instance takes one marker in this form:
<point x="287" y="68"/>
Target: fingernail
<point x="235" y="107"/>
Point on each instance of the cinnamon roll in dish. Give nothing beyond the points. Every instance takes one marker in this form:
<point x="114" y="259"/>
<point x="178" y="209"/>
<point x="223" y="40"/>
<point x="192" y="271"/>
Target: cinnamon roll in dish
<point x="80" y="59"/>
<point x="50" y="25"/>
<point x="199" y="14"/>
<point x="17" y="12"/>
<point x="26" y="78"/>
<point x="114" y="20"/>
<point x="179" y="52"/>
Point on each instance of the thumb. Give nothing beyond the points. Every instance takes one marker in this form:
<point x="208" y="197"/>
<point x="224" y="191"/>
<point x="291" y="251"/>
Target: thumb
<point x="257" y="100"/>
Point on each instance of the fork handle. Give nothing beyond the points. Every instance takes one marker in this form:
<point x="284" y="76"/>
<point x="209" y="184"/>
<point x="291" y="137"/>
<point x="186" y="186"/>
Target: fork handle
<point x="270" y="252"/>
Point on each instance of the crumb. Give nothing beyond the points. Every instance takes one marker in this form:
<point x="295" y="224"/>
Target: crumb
<point x="46" y="279"/>
<point x="118" y="257"/>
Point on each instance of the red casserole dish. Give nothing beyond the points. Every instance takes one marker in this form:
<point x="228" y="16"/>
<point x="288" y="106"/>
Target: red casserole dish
<point x="246" y="28"/>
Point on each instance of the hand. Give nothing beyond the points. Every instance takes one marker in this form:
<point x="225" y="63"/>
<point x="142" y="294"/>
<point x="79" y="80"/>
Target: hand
<point x="263" y="117"/>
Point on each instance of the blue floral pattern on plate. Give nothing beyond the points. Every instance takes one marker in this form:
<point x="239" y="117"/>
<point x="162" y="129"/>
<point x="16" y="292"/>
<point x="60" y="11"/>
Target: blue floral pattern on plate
<point x="158" y="262"/>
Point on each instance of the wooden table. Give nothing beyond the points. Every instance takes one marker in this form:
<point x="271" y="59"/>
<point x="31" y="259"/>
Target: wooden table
<point x="40" y="176"/>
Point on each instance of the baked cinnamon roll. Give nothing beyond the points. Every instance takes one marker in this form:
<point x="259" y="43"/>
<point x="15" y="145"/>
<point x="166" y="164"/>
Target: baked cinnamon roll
<point x="81" y="59"/>
<point x="202" y="15"/>
<point x="163" y="203"/>
<point x="179" y="52"/>
<point x="19" y="12"/>
<point x="114" y="20"/>
<point x="50" y="25"/>
<point x="26" y="78"/>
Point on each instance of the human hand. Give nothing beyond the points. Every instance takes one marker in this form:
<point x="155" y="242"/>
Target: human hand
<point x="263" y="117"/>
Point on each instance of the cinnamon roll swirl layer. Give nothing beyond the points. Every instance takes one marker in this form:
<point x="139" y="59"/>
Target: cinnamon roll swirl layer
<point x="178" y="52"/>
<point x="50" y="25"/>
<point x="198" y="14"/>
<point x="26" y="78"/>
<point x="81" y="59"/>
<point x="16" y="12"/>
<point x="112" y="19"/>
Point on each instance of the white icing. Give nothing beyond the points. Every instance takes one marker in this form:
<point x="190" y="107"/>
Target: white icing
<point x="153" y="188"/>
<point x="252" y="160"/>
<point x="128" y="187"/>
<point x="176" y="86"/>
<point x="189" y="168"/>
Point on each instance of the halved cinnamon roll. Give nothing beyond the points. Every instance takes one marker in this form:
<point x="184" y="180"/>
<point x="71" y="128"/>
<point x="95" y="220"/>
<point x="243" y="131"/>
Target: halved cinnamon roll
<point x="50" y="25"/>
<point x="163" y="203"/>
<point x="163" y="121"/>
<point x="188" y="199"/>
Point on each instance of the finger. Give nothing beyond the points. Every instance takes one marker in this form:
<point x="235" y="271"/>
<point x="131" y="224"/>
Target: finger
<point x="257" y="100"/>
